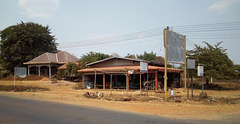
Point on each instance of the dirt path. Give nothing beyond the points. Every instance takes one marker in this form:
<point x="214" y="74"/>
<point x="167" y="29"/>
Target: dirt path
<point x="64" y="93"/>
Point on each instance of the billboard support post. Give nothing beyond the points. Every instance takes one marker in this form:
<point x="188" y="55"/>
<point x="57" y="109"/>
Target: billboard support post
<point x="190" y="67"/>
<point x="165" y="73"/>
<point x="175" y="52"/>
<point x="185" y="65"/>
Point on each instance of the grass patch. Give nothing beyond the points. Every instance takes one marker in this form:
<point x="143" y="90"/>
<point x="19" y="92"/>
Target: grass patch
<point x="22" y="88"/>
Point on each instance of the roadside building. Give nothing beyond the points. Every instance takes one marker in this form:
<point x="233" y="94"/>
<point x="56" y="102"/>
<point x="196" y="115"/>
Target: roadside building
<point x="121" y="73"/>
<point x="47" y="64"/>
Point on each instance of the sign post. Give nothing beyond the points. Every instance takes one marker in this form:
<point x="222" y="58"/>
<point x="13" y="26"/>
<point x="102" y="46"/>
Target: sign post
<point x="191" y="66"/>
<point x="143" y="69"/>
<point x="201" y="73"/>
<point x="175" y="52"/>
<point x="19" y="72"/>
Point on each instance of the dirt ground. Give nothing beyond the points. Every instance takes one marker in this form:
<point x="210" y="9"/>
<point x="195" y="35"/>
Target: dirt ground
<point x="220" y="104"/>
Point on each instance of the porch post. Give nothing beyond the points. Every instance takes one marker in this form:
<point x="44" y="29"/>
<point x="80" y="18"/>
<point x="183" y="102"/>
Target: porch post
<point x="28" y="69"/>
<point x="140" y="81"/>
<point x="95" y="82"/>
<point x="104" y="81"/>
<point x="39" y="70"/>
<point x="111" y="84"/>
<point x="50" y="74"/>
<point x="156" y="80"/>
<point x="127" y="86"/>
<point x="83" y="80"/>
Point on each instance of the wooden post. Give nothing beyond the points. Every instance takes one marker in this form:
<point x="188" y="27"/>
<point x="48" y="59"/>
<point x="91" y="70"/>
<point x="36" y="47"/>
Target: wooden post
<point x="95" y="80"/>
<point x="83" y="76"/>
<point x="104" y="81"/>
<point x="140" y="81"/>
<point x="111" y="85"/>
<point x="156" y="81"/>
<point x="192" y="84"/>
<point x="147" y="83"/>
<point x="127" y="81"/>
<point x="116" y="80"/>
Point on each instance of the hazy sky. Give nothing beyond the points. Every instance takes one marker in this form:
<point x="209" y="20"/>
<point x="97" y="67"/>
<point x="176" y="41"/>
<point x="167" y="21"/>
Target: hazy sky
<point x="76" y="22"/>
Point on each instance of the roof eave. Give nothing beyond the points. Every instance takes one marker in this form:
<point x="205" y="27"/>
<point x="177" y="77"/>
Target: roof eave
<point x="116" y="58"/>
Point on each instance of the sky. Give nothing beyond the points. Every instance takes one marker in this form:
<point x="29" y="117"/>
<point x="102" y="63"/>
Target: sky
<point x="129" y="26"/>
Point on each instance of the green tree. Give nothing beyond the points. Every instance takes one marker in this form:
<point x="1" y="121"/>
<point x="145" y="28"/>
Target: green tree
<point x="71" y="70"/>
<point x="159" y="59"/>
<point x="132" y="56"/>
<point x="91" y="57"/>
<point x="215" y="60"/>
<point x="238" y="70"/>
<point x="114" y="55"/>
<point x="61" y="73"/>
<point x="23" y="42"/>
<point x="147" y="56"/>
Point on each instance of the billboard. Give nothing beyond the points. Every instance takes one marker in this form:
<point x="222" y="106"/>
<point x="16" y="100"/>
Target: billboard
<point x="20" y="72"/>
<point x="175" y="47"/>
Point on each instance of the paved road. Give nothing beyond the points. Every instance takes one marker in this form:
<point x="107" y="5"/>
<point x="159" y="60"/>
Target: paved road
<point x="22" y="111"/>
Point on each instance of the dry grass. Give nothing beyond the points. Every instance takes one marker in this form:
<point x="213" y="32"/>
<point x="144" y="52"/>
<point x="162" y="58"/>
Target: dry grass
<point x="154" y="103"/>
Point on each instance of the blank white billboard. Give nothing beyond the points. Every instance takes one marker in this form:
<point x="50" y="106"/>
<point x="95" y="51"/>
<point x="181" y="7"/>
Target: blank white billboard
<point x="175" y="47"/>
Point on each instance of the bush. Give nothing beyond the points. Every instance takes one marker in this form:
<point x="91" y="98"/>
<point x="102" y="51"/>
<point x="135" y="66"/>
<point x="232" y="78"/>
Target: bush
<point x="4" y="73"/>
<point x="60" y="74"/>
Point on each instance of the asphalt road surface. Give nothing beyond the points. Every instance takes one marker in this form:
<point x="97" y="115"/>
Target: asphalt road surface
<point x="23" y="111"/>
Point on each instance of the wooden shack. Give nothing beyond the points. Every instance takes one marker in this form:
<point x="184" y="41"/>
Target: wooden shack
<point x="124" y="73"/>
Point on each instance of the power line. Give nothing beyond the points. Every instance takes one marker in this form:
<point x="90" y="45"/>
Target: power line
<point x="192" y="29"/>
<point x="208" y="24"/>
<point x="146" y="32"/>
<point x="112" y="44"/>
<point x="210" y="30"/>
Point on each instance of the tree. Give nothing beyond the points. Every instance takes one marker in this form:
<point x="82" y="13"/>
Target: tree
<point x="71" y="70"/>
<point x="215" y="60"/>
<point x="238" y="70"/>
<point x="114" y="55"/>
<point x="159" y="59"/>
<point x="91" y="57"/>
<point x="23" y="42"/>
<point x="132" y="56"/>
<point x="147" y="56"/>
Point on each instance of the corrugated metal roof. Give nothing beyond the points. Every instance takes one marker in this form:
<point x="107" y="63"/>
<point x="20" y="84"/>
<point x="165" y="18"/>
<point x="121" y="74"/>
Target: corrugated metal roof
<point x="124" y="68"/>
<point x="116" y="58"/>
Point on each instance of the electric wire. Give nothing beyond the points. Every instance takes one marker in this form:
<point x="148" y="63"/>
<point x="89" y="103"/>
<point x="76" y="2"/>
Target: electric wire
<point x="198" y="31"/>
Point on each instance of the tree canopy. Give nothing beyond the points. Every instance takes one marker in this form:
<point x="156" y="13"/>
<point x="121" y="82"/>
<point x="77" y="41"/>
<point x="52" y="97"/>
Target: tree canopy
<point x="23" y="42"/>
<point x="132" y="56"/>
<point x="147" y="56"/>
<point x="152" y="57"/>
<point x="215" y="61"/>
<point x="91" y="57"/>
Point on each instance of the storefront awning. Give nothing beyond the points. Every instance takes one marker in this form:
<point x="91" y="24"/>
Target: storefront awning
<point x="125" y="68"/>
